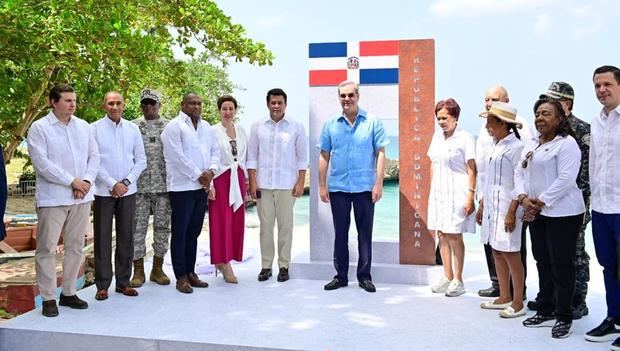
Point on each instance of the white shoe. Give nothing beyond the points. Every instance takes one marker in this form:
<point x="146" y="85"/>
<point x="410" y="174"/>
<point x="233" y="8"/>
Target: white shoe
<point x="456" y="288"/>
<point x="441" y="286"/>
<point x="510" y="312"/>
<point x="491" y="305"/>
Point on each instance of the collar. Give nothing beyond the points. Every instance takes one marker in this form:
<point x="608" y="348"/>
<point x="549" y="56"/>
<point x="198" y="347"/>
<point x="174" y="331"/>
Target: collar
<point x="508" y="138"/>
<point x="360" y="114"/>
<point x="605" y="117"/>
<point x="111" y="123"/>
<point x="187" y="119"/>
<point x="53" y="119"/>
<point x="284" y="120"/>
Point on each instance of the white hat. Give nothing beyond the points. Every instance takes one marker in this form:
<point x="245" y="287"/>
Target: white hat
<point x="504" y="112"/>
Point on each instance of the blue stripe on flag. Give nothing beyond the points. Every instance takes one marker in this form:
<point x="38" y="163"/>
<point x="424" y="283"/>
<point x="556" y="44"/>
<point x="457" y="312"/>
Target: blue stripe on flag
<point x="379" y="76"/>
<point x="328" y="50"/>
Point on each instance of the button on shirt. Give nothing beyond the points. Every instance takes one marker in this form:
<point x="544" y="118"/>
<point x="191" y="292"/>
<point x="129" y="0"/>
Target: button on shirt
<point x="605" y="162"/>
<point x="60" y="153"/>
<point x="551" y="175"/>
<point x="122" y="154"/>
<point x="188" y="152"/>
<point x="353" y="151"/>
<point x="277" y="151"/>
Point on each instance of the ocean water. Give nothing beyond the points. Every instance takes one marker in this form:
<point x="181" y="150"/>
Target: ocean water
<point x="386" y="213"/>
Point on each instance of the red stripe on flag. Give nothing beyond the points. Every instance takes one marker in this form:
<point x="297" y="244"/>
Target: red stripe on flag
<point x="379" y="48"/>
<point x="327" y="77"/>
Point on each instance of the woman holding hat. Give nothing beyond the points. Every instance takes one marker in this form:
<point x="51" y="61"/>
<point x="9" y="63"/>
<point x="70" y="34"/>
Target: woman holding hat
<point x="554" y="205"/>
<point x="451" y="199"/>
<point x="227" y="195"/>
<point x="499" y="213"/>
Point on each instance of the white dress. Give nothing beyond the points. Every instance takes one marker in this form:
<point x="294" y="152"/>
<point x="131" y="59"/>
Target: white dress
<point x="450" y="183"/>
<point x="498" y="191"/>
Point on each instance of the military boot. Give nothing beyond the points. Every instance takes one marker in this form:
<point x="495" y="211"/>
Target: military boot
<point x="157" y="273"/>
<point x="138" y="274"/>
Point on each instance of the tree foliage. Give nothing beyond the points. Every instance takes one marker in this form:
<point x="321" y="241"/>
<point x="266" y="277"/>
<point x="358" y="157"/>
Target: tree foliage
<point x="103" y="45"/>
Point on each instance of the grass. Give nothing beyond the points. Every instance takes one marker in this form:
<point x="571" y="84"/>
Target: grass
<point x="15" y="168"/>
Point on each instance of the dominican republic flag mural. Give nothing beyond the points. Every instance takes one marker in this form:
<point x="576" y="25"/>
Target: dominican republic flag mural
<point x="364" y="62"/>
<point x="397" y="84"/>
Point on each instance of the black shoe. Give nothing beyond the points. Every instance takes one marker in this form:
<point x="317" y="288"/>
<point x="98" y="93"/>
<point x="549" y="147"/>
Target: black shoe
<point x="283" y="275"/>
<point x="532" y="305"/>
<point x="72" y="301"/>
<point x="607" y="330"/>
<point x="368" y="286"/>
<point x="489" y="292"/>
<point x="615" y="346"/>
<point x="49" y="308"/>
<point x="580" y="311"/>
<point x="539" y="320"/>
<point x="264" y="274"/>
<point x="561" y="329"/>
<point x="335" y="284"/>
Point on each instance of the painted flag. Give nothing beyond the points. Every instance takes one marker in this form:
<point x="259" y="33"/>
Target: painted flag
<point x="364" y="62"/>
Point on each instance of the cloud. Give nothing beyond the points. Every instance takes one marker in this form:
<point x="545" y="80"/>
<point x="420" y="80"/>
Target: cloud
<point x="587" y="31"/>
<point x="269" y="22"/>
<point x="543" y="24"/>
<point x="476" y="8"/>
<point x="580" y="11"/>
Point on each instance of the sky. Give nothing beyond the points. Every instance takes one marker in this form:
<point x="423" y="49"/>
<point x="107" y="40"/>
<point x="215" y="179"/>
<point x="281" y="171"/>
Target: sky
<point x="523" y="45"/>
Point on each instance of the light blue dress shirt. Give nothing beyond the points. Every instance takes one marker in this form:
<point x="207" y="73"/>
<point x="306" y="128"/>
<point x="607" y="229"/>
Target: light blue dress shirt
<point x="353" y="151"/>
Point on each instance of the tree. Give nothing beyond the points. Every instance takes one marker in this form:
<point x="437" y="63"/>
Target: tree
<point x="103" y="45"/>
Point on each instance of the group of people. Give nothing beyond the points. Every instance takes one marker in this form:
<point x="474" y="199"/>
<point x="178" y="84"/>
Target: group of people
<point x="179" y="169"/>
<point x="544" y="180"/>
<point x="175" y="170"/>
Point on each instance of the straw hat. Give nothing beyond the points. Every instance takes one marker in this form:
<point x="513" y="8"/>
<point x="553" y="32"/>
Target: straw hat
<point x="504" y="112"/>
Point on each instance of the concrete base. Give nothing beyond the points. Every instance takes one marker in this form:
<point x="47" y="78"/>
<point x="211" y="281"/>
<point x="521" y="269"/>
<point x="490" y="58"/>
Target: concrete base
<point x="303" y="268"/>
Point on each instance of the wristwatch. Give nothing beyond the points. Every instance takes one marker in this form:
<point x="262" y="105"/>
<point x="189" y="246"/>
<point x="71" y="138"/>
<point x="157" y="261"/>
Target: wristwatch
<point x="126" y="182"/>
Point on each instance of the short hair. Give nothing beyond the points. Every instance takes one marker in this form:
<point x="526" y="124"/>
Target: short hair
<point x="276" y="92"/>
<point x="188" y="95"/>
<point x="58" y="89"/>
<point x="225" y="98"/>
<point x="451" y="105"/>
<point x="349" y="82"/>
<point x="564" y="127"/>
<point x="605" y="69"/>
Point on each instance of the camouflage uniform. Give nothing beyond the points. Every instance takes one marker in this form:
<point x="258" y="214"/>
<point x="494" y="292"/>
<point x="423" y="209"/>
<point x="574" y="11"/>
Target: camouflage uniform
<point x="582" y="260"/>
<point x="152" y="195"/>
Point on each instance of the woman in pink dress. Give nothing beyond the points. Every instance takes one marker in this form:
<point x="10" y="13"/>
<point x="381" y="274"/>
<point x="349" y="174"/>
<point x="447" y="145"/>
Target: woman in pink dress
<point x="227" y="194"/>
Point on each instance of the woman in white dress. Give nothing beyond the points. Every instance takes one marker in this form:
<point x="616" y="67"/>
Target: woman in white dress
<point x="498" y="212"/>
<point x="451" y="199"/>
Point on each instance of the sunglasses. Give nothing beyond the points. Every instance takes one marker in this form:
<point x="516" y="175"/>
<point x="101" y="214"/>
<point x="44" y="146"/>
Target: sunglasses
<point x="528" y="157"/>
<point x="148" y="102"/>
<point x="349" y="95"/>
<point x="233" y="147"/>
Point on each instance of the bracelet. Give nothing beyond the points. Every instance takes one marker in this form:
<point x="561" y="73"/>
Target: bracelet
<point x="472" y="190"/>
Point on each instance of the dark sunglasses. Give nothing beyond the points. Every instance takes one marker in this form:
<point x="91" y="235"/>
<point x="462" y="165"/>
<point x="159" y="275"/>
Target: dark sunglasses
<point x="148" y="102"/>
<point x="349" y="95"/>
<point x="233" y="146"/>
<point x="528" y="157"/>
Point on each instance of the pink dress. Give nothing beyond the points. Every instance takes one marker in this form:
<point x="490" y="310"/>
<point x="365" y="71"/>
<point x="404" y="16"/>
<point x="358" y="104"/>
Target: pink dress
<point x="227" y="211"/>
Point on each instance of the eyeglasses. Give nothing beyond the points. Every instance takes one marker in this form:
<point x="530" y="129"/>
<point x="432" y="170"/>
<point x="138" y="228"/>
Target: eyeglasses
<point x="528" y="157"/>
<point x="349" y="95"/>
<point x="148" y="102"/>
<point x="233" y="146"/>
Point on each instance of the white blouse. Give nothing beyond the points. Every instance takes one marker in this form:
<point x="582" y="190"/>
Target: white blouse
<point x="550" y="175"/>
<point x="229" y="161"/>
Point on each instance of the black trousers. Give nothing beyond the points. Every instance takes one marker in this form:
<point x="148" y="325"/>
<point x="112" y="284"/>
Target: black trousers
<point x="554" y="242"/>
<point x="188" y="214"/>
<point x="363" y="211"/>
<point x="488" y="253"/>
<point x="123" y="211"/>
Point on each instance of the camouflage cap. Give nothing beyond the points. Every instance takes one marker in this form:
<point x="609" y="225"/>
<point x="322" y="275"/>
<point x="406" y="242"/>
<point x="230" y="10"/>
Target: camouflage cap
<point x="149" y="94"/>
<point x="559" y="91"/>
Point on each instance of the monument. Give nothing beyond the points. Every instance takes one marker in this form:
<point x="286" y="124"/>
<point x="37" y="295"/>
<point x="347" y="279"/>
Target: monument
<point x="397" y="83"/>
